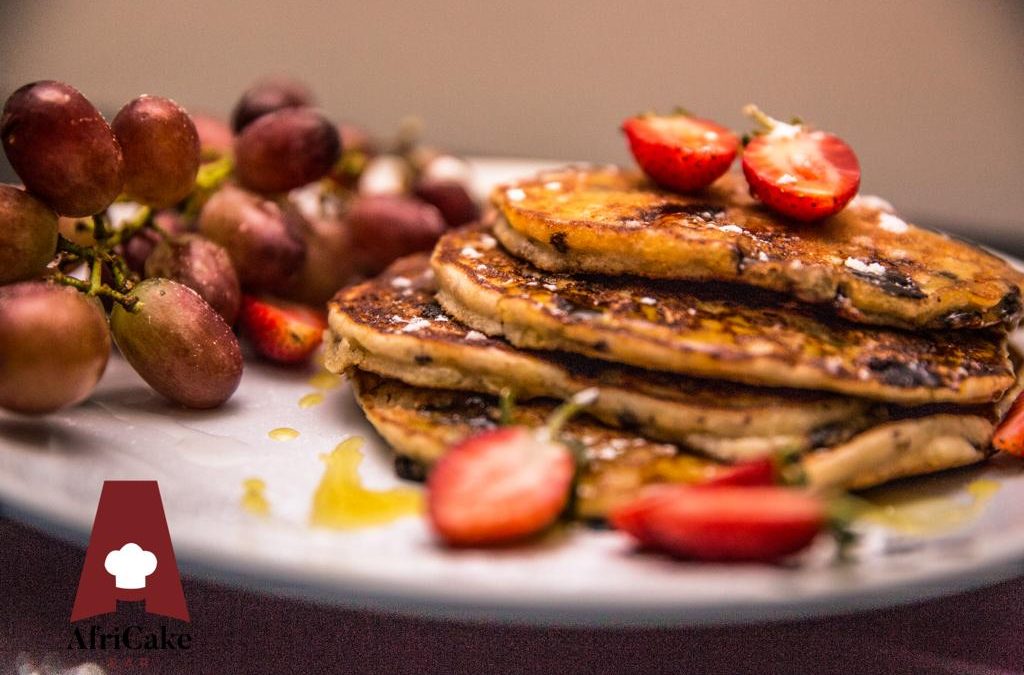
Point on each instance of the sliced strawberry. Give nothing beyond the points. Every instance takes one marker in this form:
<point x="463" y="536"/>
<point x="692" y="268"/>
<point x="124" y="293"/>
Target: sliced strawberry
<point x="1009" y="435"/>
<point x="282" y="331"/>
<point x="726" y="523"/>
<point x="680" y="152"/>
<point x="803" y="174"/>
<point x="499" y="486"/>
<point x="755" y="472"/>
<point x="632" y="516"/>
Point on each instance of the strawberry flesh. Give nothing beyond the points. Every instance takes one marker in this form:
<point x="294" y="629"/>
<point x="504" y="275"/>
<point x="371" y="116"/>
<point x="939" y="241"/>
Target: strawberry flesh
<point x="729" y="523"/>
<point x="498" y="486"/>
<point x="680" y="152"/>
<point x="755" y="472"/>
<point x="1009" y="435"/>
<point x="805" y="175"/>
<point x="282" y="331"/>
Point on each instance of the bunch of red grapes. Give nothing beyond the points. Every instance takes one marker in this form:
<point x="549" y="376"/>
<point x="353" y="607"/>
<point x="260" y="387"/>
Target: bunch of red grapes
<point x="162" y="231"/>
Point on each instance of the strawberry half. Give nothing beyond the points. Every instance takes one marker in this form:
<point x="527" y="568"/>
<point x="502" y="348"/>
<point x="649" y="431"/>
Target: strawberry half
<point x="803" y="174"/>
<point x="759" y="471"/>
<point x="1009" y="435"/>
<point x="499" y="486"/>
<point x="282" y="331"/>
<point x="724" y="523"/>
<point x="632" y="517"/>
<point x="680" y="152"/>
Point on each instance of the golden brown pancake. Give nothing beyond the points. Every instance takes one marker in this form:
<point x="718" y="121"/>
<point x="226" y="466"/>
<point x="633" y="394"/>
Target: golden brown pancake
<point x="867" y="264"/>
<point x="422" y="424"/>
<point x="730" y="333"/>
<point x="392" y="326"/>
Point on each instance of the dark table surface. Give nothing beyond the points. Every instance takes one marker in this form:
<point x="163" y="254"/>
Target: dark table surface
<point x="238" y="631"/>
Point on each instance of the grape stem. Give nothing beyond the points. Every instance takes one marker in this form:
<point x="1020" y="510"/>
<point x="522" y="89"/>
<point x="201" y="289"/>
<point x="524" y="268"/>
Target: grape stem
<point x="129" y="302"/>
<point x="99" y="227"/>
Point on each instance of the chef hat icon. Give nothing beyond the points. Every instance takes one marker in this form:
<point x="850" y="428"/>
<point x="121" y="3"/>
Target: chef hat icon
<point x="130" y="565"/>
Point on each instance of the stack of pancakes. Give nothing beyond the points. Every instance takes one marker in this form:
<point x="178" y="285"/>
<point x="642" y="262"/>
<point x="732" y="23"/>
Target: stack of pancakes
<point x="714" y="331"/>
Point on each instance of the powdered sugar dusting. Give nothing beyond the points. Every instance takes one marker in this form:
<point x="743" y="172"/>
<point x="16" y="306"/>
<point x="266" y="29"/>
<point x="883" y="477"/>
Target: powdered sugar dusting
<point x="891" y="223"/>
<point x="858" y="265"/>
<point x="415" y="325"/>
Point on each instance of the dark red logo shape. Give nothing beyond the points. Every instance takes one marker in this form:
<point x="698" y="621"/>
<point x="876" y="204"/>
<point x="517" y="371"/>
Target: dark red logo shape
<point x="130" y="556"/>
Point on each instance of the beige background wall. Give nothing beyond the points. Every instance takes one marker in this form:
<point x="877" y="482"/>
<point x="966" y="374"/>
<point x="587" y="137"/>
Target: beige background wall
<point x="929" y="93"/>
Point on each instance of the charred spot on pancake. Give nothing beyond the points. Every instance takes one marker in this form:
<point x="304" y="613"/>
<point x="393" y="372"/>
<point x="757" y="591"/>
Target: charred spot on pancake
<point x="899" y="373"/>
<point x="600" y="346"/>
<point x="894" y="283"/>
<point x="952" y="276"/>
<point x="558" y="242"/>
<point x="962" y="319"/>
<point x="828" y="434"/>
<point x="408" y="468"/>
<point x="628" y="420"/>
<point x="431" y="310"/>
<point x="1010" y="306"/>
<point x="576" y="305"/>
<point x="702" y="211"/>
<point x="422" y="359"/>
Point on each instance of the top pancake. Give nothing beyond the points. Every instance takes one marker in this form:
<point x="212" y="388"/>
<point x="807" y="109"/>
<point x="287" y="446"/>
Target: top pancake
<point x="711" y="331"/>
<point x="871" y="266"/>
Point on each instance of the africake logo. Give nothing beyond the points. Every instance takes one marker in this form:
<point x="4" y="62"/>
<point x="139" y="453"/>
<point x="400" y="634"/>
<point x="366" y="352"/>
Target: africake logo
<point x="129" y="558"/>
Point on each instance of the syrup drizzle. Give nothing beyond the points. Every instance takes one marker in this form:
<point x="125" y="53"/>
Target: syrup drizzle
<point x="342" y="502"/>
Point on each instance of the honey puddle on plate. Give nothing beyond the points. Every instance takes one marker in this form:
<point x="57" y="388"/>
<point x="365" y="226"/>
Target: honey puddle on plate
<point x="904" y="511"/>
<point x="342" y="502"/>
<point x="283" y="434"/>
<point x="311" y="399"/>
<point x="325" y="379"/>
<point x="253" y="498"/>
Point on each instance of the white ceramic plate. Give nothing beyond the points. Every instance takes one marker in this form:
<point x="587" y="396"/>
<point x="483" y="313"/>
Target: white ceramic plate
<point x="52" y="470"/>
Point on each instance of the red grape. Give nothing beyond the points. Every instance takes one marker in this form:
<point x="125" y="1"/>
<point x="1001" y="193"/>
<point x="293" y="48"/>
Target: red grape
<point x="28" y="235"/>
<point x="54" y="346"/>
<point x="286" y="149"/>
<point x="266" y="97"/>
<point x="137" y="249"/>
<point x="328" y="265"/>
<point x="62" y="148"/>
<point x="203" y="266"/>
<point x="451" y="198"/>
<point x="266" y="248"/>
<point x="385" y="228"/>
<point x="179" y="344"/>
<point x="161" y="150"/>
